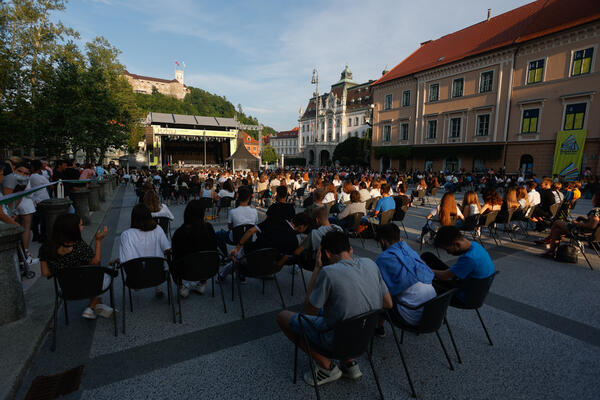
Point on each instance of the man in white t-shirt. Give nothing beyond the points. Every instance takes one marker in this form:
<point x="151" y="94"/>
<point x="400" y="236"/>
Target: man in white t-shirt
<point x="533" y="195"/>
<point x="244" y="214"/>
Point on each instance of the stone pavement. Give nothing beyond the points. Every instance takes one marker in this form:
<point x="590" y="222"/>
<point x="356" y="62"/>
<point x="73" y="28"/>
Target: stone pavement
<point x="543" y="316"/>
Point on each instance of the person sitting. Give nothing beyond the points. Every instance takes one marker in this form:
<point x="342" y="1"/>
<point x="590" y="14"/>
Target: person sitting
<point x="470" y="204"/>
<point x="532" y="194"/>
<point x="375" y="191"/>
<point x="355" y="206"/>
<point x="244" y="214"/>
<point x="523" y="198"/>
<point x="208" y="192"/>
<point x="509" y="203"/>
<point x="364" y="192"/>
<point x="144" y="239"/>
<point x="491" y="201"/>
<point x="194" y="235"/>
<point x="281" y="208"/>
<point x="420" y="186"/>
<point x="330" y="195"/>
<point x="405" y="274"/>
<point x="559" y="229"/>
<point x="156" y="208"/>
<point x="341" y="287"/>
<point x="66" y="249"/>
<point x="317" y="196"/>
<point x="226" y="194"/>
<point x="385" y="203"/>
<point x="474" y="262"/>
<point x="556" y="192"/>
<point x="542" y="211"/>
<point x="447" y="213"/>
<point x="312" y="242"/>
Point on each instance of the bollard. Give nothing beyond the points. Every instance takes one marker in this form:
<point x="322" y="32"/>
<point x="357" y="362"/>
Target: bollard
<point x="94" y="200"/>
<point x="102" y="191"/>
<point x="51" y="209"/>
<point x="12" y="300"/>
<point x="80" y="198"/>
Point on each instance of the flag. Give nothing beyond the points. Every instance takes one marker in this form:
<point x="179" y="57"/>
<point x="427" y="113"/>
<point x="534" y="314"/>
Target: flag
<point x="176" y="62"/>
<point x="183" y="64"/>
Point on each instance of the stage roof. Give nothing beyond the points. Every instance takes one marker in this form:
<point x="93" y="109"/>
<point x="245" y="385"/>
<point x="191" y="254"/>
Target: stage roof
<point x="191" y="120"/>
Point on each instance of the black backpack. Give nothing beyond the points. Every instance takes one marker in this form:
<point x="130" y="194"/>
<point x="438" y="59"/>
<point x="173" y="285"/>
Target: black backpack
<point x="567" y="253"/>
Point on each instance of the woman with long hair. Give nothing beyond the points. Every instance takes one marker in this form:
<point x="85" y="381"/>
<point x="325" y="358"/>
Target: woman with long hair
<point x="523" y="198"/>
<point x="470" y="204"/>
<point x="144" y="239"/>
<point x="420" y="186"/>
<point x="330" y="193"/>
<point x="66" y="249"/>
<point x="510" y="203"/>
<point x="194" y="235"/>
<point x="447" y="213"/>
<point x="491" y="201"/>
<point x="156" y="208"/>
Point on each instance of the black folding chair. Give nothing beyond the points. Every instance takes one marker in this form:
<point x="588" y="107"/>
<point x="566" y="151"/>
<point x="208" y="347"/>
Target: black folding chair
<point x="199" y="266"/>
<point x="351" y="339"/>
<point x="239" y="231"/>
<point x="470" y="225"/>
<point x="354" y="226"/>
<point x="207" y="203"/>
<point x="259" y="264"/>
<point x="434" y="314"/>
<point x="143" y="273"/>
<point x="385" y="218"/>
<point x="579" y="238"/>
<point x="224" y="202"/>
<point x="488" y="221"/>
<point x="165" y="224"/>
<point x="421" y="194"/>
<point x="400" y="213"/>
<point x="78" y="283"/>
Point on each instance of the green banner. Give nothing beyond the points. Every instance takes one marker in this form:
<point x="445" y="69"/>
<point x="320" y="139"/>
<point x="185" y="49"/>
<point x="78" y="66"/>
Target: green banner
<point x="568" y="153"/>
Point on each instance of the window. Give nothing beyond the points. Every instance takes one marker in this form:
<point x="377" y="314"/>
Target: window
<point x="387" y="133"/>
<point x="530" y="120"/>
<point x="432" y="129"/>
<point x="406" y="98"/>
<point x="457" y="87"/>
<point x="434" y="92"/>
<point x="535" y="72"/>
<point x="404" y="132"/>
<point x="483" y="125"/>
<point x="349" y="121"/>
<point x="355" y="121"/>
<point x="487" y="82"/>
<point x="575" y="116"/>
<point x="455" y="127"/>
<point x="388" y="102"/>
<point x="582" y="62"/>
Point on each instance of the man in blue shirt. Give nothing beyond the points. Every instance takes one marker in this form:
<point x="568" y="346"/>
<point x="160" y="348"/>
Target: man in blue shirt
<point x="385" y="203"/>
<point x="474" y="261"/>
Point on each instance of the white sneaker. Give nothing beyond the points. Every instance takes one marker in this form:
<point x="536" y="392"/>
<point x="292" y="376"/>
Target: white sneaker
<point x="88" y="313"/>
<point x="199" y="288"/>
<point x="184" y="291"/>
<point x="351" y="371"/>
<point x="323" y="376"/>
<point x="30" y="260"/>
<point x="103" y="310"/>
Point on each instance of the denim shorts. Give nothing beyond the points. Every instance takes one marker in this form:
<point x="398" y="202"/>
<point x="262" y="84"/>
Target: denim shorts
<point x="316" y="331"/>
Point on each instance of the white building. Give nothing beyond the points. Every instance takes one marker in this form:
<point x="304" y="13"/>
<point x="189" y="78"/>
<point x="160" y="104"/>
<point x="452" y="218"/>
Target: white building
<point x="286" y="143"/>
<point x="343" y="113"/>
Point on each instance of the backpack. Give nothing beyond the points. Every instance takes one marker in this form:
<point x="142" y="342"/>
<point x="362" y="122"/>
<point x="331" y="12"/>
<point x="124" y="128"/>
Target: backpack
<point x="567" y="253"/>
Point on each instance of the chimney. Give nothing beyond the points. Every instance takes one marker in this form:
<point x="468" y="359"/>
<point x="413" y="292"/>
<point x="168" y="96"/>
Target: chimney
<point x="489" y="14"/>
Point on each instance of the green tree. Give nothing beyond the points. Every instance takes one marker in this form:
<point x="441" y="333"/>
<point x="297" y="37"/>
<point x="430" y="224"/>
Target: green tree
<point x="269" y="155"/>
<point x="352" y="151"/>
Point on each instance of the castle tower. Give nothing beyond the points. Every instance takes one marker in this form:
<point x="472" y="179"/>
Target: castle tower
<point x="179" y="76"/>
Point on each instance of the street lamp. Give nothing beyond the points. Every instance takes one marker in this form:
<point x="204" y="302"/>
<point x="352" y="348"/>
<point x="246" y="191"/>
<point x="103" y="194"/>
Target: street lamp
<point x="369" y="115"/>
<point x="315" y="81"/>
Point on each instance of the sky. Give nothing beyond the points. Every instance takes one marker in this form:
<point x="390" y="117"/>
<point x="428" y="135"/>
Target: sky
<point x="261" y="53"/>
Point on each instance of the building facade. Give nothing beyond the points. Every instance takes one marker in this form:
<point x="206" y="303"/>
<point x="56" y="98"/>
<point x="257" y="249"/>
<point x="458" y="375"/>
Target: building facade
<point x="286" y="143"/>
<point x="342" y="113"/>
<point x="251" y="144"/>
<point x="144" y="84"/>
<point x="495" y="95"/>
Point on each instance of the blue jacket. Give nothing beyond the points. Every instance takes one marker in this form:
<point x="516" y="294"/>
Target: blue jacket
<point x="401" y="267"/>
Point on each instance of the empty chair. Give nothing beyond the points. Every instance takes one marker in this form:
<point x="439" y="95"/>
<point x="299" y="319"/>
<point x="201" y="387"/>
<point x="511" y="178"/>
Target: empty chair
<point x="143" y="273"/>
<point x="78" y="283"/>
<point x="199" y="266"/>
<point x="351" y="339"/>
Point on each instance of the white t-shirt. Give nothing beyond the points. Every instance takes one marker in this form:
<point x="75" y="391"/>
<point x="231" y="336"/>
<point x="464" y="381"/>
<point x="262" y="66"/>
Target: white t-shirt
<point x="242" y="215"/>
<point x="534" y="198"/>
<point x="375" y="193"/>
<point x="225" y="193"/>
<point x="36" y="180"/>
<point x="329" y="197"/>
<point x="164" y="212"/>
<point x="415" y="295"/>
<point x="136" y="243"/>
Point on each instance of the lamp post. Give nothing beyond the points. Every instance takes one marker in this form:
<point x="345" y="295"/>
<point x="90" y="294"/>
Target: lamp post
<point x="315" y="81"/>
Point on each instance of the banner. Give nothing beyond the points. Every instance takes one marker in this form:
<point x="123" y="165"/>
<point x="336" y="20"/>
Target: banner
<point x="568" y="153"/>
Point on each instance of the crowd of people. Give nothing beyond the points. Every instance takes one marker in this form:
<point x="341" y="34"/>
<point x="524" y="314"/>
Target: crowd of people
<point x="342" y="284"/>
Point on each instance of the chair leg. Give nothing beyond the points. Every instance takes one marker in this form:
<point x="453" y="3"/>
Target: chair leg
<point x="130" y="300"/>
<point x="402" y="336"/>
<point x="370" y="357"/>
<point x="222" y="296"/>
<point x="179" y="284"/>
<point x="279" y="290"/>
<point x="112" y="304"/>
<point x="293" y="278"/>
<point x="295" y="362"/>
<point x="303" y="279"/>
<point x="124" y="309"/>
<point x="55" y="324"/>
<point x="263" y="287"/>
<point x="66" y="312"/>
<point x="445" y="352"/>
<point x="239" y="285"/>
<point x="410" y="382"/>
<point x="484" y="328"/>
<point x="232" y="284"/>
<point x="452" y="340"/>
<point x="312" y="367"/>
<point x="404" y="227"/>
<point x="169" y="295"/>
<point x="212" y="282"/>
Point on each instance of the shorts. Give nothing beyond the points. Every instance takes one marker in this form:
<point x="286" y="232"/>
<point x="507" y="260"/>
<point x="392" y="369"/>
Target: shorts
<point x="316" y="331"/>
<point x="25" y="207"/>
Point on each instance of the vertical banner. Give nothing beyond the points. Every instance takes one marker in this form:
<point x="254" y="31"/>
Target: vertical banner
<point x="568" y="153"/>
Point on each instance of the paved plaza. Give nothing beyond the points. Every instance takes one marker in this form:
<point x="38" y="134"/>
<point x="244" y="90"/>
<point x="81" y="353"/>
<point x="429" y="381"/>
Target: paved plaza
<point x="543" y="316"/>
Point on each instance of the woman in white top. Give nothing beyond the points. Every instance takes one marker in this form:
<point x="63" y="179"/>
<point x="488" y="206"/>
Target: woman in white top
<point x="227" y="190"/>
<point x="375" y="190"/>
<point x="156" y="209"/>
<point x="144" y="239"/>
<point x="208" y="192"/>
<point x="447" y="213"/>
<point x="470" y="205"/>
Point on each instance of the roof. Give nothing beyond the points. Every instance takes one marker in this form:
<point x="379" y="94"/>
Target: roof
<point x="531" y="21"/>
<point x="192" y="120"/>
<point x="249" y="139"/>
<point x="149" y="78"/>
<point x="242" y="153"/>
<point x="287" y="134"/>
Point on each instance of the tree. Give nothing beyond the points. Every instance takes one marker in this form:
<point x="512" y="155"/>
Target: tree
<point x="269" y="155"/>
<point x="352" y="151"/>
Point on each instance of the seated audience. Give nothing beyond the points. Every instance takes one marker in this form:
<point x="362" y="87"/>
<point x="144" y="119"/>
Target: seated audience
<point x="244" y="214"/>
<point x="281" y="208"/>
<point x="156" y="208"/>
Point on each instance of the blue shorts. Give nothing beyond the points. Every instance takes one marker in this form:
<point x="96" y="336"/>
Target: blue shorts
<point x="315" y="330"/>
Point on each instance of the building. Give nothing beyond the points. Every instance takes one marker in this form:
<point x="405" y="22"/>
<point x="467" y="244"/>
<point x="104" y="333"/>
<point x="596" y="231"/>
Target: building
<point x="251" y="144"/>
<point x="144" y="84"/>
<point x="286" y="143"/>
<point x="497" y="94"/>
<point x="343" y="113"/>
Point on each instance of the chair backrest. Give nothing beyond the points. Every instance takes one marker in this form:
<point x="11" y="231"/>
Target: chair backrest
<point x="596" y="235"/>
<point x="84" y="282"/>
<point x="225" y="201"/>
<point x="239" y="231"/>
<point x="206" y="202"/>
<point x="554" y="209"/>
<point x="434" y="312"/>
<point x="354" y="219"/>
<point x="421" y="193"/>
<point x="434" y="191"/>
<point x="164" y="223"/>
<point x="262" y="262"/>
<point x="352" y="336"/>
<point x="471" y="222"/>
<point x="488" y="218"/>
<point x="476" y="290"/>
<point x="300" y="192"/>
<point x="144" y="272"/>
<point x="386" y="216"/>
<point x="198" y="266"/>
